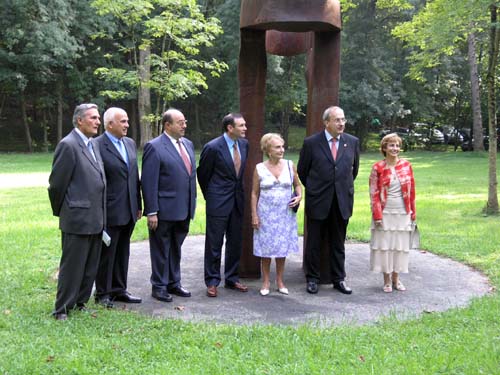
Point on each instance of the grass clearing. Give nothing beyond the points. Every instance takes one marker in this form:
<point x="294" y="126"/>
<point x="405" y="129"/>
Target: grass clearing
<point x="451" y="192"/>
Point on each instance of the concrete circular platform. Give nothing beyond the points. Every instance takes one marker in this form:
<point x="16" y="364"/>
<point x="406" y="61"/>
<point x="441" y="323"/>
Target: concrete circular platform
<point x="434" y="284"/>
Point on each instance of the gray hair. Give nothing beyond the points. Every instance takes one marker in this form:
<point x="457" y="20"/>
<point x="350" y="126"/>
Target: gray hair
<point x="110" y="114"/>
<point x="326" y="114"/>
<point x="80" y="111"/>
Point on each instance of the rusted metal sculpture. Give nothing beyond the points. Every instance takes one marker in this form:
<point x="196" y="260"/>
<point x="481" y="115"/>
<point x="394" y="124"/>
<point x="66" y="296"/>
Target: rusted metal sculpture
<point x="285" y="28"/>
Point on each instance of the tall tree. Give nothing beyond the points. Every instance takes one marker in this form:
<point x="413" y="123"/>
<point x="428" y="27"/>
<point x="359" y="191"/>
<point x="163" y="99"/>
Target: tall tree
<point x="172" y="33"/>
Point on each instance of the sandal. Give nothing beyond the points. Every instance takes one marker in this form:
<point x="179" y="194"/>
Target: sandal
<point x="387" y="288"/>
<point x="399" y="286"/>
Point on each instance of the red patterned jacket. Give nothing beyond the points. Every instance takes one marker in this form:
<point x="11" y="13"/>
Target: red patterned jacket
<point x="380" y="178"/>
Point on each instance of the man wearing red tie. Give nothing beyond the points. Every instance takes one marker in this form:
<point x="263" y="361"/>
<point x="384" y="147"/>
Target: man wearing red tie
<point x="327" y="167"/>
<point x="169" y="191"/>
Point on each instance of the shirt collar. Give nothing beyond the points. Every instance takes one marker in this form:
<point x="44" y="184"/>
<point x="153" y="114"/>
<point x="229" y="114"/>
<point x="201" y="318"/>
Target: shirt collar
<point x="84" y="138"/>
<point x="112" y="137"/>
<point x="329" y="136"/>
<point x="229" y="141"/>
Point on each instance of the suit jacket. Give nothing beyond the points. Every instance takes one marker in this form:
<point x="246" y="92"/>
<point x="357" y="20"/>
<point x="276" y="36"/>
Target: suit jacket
<point x="123" y="193"/>
<point x="167" y="187"/>
<point x="323" y="177"/>
<point x="77" y="187"/>
<point x="220" y="185"/>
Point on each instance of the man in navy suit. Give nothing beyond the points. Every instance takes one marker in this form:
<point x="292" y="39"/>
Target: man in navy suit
<point x="169" y="191"/>
<point x="220" y="175"/>
<point x="327" y="167"/>
<point x="77" y="188"/>
<point x="123" y="207"/>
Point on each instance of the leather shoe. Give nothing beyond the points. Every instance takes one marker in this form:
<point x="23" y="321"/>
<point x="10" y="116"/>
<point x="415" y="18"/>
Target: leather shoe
<point x="162" y="296"/>
<point x="237" y="286"/>
<point x="127" y="298"/>
<point x="212" y="291"/>
<point x="180" y="291"/>
<point x="104" y="301"/>
<point x="342" y="287"/>
<point x="61" y="316"/>
<point x="312" y="287"/>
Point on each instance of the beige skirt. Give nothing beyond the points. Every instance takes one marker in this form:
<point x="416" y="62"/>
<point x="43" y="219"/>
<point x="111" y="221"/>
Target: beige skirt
<point x="390" y="243"/>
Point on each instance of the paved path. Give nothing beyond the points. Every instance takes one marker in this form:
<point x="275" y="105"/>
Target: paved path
<point x="434" y="284"/>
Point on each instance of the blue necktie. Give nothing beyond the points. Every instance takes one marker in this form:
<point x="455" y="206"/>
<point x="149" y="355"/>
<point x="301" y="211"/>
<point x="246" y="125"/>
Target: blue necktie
<point x="123" y="152"/>
<point x="91" y="149"/>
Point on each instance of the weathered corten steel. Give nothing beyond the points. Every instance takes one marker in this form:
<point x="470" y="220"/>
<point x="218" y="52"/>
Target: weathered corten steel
<point x="285" y="28"/>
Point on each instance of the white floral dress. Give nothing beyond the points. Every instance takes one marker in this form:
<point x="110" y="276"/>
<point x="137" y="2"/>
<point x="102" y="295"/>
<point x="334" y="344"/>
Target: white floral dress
<point x="277" y="234"/>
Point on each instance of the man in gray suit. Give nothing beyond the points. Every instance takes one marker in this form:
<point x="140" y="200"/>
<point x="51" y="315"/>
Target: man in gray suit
<point x="169" y="191"/>
<point x="123" y="207"/>
<point x="77" y="186"/>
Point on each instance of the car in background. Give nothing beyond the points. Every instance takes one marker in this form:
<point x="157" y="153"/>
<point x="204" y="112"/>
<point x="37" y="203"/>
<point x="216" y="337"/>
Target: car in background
<point x="427" y="134"/>
<point x="468" y="142"/>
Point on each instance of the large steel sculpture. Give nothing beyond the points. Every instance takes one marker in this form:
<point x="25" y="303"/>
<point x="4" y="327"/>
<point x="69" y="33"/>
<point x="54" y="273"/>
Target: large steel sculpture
<point x="285" y="28"/>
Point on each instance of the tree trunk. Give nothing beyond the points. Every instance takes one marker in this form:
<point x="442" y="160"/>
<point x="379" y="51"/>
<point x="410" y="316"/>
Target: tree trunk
<point x="133" y="121"/>
<point x="476" y="101"/>
<point x="144" y="95"/>
<point x="45" y="128"/>
<point x="59" y="110"/>
<point x="27" y="132"/>
<point x="492" y="204"/>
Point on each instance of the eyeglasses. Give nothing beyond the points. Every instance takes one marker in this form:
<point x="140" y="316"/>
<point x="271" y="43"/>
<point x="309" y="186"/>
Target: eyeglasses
<point x="339" y="120"/>
<point x="182" y="122"/>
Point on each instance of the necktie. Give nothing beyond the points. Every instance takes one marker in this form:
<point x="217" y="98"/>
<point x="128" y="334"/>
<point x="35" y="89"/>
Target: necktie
<point x="123" y="152"/>
<point x="236" y="158"/>
<point x="334" y="148"/>
<point x="91" y="149"/>
<point x="185" y="157"/>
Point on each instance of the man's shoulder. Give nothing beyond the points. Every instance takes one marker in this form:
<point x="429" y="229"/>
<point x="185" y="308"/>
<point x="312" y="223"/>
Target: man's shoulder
<point x="350" y="137"/>
<point x="314" y="137"/>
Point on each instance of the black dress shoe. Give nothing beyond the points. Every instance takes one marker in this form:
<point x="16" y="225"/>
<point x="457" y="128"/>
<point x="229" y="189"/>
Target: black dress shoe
<point x="312" y="287"/>
<point x="104" y="301"/>
<point x="180" y="291"/>
<point x="342" y="287"/>
<point x="162" y="296"/>
<point x="127" y="298"/>
<point x="61" y="316"/>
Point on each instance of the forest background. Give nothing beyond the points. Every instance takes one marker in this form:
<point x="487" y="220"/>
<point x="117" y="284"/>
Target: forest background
<point x="402" y="62"/>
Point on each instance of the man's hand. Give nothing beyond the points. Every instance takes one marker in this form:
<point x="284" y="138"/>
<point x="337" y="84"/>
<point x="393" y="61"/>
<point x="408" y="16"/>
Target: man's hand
<point x="152" y="222"/>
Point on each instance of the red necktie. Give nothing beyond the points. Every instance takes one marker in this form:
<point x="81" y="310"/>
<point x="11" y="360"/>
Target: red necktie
<point x="185" y="157"/>
<point x="334" y="148"/>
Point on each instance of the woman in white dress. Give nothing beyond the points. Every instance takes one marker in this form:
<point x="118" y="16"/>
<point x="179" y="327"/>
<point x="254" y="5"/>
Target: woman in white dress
<point x="392" y="196"/>
<point x="273" y="219"/>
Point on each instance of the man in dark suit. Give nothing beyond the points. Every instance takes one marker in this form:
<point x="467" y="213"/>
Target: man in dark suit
<point x="77" y="187"/>
<point x="169" y="191"/>
<point x="327" y="167"/>
<point x="124" y="207"/>
<point x="220" y="175"/>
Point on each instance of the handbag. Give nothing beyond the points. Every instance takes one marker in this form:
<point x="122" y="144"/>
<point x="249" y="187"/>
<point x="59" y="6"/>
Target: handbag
<point x="415" y="238"/>
<point x="294" y="194"/>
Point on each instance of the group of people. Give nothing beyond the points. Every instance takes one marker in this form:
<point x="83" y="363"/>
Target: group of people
<point x="95" y="190"/>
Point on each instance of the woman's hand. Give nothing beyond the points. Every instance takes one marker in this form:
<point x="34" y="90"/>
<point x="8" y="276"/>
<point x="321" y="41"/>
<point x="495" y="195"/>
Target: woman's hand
<point x="378" y="223"/>
<point x="255" y="222"/>
<point x="295" y="201"/>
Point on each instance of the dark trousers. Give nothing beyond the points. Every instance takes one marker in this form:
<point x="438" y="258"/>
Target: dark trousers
<point x="111" y="279"/>
<point x="334" y="229"/>
<point x="165" y="249"/>
<point x="77" y="270"/>
<point x="216" y="228"/>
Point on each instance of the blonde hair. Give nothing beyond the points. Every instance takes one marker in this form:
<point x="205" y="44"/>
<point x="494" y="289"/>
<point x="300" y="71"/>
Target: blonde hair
<point x="266" y="140"/>
<point x="392" y="137"/>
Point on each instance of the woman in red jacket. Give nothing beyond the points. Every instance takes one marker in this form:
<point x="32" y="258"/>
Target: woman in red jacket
<point x="392" y="196"/>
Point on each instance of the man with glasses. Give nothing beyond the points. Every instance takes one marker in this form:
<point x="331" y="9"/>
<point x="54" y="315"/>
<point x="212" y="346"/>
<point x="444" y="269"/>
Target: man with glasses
<point x="77" y="185"/>
<point x="327" y="167"/>
<point x="169" y="189"/>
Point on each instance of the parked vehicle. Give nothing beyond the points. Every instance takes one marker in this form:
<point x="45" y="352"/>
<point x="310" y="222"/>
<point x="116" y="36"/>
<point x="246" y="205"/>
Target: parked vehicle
<point x="427" y="134"/>
<point x="468" y="142"/>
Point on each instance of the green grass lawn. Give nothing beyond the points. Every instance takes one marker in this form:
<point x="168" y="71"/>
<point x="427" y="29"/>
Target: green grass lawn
<point x="451" y="192"/>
